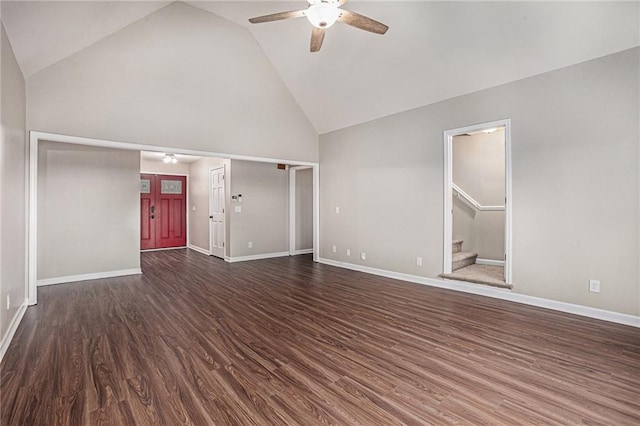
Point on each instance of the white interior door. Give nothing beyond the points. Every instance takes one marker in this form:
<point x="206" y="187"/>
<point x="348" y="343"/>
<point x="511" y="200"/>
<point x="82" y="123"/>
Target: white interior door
<point x="216" y="212"/>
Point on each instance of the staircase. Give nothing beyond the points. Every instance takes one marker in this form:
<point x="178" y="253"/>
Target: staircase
<point x="460" y="258"/>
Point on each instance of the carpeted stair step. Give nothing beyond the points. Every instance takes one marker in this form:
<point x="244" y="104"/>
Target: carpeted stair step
<point x="462" y="259"/>
<point x="456" y="246"/>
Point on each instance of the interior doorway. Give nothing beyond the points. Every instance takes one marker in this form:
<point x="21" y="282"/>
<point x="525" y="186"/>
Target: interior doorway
<point x="163" y="211"/>
<point x="217" y="212"/>
<point x="477" y="204"/>
<point x="301" y="234"/>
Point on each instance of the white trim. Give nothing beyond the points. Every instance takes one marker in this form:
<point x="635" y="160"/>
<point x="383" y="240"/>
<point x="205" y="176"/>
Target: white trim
<point x="35" y="136"/>
<point x="490" y="262"/>
<point x="199" y="249"/>
<point x="316" y="213"/>
<point x="470" y="200"/>
<point x="86" y="277"/>
<point x="496" y="293"/>
<point x="304" y="251"/>
<point x="292" y="206"/>
<point x="448" y="193"/>
<point x="11" y="331"/>
<point x="292" y="211"/>
<point x="78" y="140"/>
<point x="257" y="257"/>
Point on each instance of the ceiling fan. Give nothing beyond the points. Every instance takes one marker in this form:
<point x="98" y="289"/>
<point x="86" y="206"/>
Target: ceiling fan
<point x="322" y="14"/>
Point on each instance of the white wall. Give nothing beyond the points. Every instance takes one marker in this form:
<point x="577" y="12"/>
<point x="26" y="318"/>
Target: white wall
<point x="264" y="219"/>
<point x="576" y="185"/>
<point x="12" y="186"/>
<point x="88" y="210"/>
<point x="159" y="167"/>
<point x="199" y="200"/>
<point x="304" y="209"/>
<point x="478" y="166"/>
<point x="181" y="77"/>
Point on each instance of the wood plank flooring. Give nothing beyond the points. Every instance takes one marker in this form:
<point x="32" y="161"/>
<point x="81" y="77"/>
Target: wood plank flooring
<point x="195" y="340"/>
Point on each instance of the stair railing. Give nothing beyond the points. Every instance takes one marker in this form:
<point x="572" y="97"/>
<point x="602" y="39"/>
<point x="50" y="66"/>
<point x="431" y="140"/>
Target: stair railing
<point x="459" y="193"/>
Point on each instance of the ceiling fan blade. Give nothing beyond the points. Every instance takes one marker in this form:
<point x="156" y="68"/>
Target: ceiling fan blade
<point x="279" y="16"/>
<point x="362" y="22"/>
<point x="317" y="37"/>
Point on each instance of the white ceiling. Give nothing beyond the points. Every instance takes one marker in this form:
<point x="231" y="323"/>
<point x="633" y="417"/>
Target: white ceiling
<point x="432" y="51"/>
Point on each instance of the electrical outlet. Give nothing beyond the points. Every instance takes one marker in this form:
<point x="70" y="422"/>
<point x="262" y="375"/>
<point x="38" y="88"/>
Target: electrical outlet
<point x="594" y="286"/>
<point x="334" y="249"/>
<point x="348" y="252"/>
<point x="337" y="210"/>
<point x="419" y="261"/>
<point x="363" y="255"/>
<point x="8" y="302"/>
<point x="250" y="244"/>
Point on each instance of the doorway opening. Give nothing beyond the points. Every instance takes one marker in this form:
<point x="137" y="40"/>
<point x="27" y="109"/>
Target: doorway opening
<point x="163" y="211"/>
<point x="477" y="204"/>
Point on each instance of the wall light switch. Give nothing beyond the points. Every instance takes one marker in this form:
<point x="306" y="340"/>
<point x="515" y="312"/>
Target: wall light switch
<point x="337" y="210"/>
<point x="238" y="209"/>
<point x="193" y="208"/>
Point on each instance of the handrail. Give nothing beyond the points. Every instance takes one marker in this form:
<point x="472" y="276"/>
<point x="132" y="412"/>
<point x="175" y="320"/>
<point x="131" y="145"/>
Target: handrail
<point x="473" y="203"/>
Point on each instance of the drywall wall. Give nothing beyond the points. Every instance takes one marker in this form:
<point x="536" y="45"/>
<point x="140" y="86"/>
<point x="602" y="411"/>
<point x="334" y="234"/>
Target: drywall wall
<point x="575" y="142"/>
<point x="264" y="216"/>
<point x="12" y="186"/>
<point x="88" y="210"/>
<point x="304" y="209"/>
<point x="159" y="167"/>
<point x="180" y="77"/>
<point x="199" y="201"/>
<point x="478" y="169"/>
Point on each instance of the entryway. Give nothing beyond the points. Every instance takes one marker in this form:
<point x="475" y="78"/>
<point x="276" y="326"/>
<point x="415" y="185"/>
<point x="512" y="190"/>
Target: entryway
<point x="163" y="211"/>
<point x="477" y="204"/>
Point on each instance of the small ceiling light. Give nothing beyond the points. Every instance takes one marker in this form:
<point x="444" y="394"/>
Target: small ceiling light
<point x="323" y="15"/>
<point x="169" y="159"/>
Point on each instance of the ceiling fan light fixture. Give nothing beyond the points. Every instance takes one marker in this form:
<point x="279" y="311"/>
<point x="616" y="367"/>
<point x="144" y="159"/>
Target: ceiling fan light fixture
<point x="323" y="15"/>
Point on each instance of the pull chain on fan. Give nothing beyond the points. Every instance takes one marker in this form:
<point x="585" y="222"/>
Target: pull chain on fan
<point x="322" y="14"/>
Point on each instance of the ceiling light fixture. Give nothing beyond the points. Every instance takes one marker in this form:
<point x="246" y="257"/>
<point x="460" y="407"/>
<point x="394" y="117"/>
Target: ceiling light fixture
<point x="170" y="159"/>
<point x="323" y="15"/>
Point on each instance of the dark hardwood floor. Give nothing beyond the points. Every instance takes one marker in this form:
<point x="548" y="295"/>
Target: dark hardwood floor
<point x="195" y="340"/>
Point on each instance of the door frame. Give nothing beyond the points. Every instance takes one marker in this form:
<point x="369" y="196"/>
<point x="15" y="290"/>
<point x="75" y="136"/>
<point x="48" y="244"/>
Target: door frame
<point x="224" y="228"/>
<point x="31" y="288"/>
<point x="186" y="175"/>
<point x="448" y="193"/>
<point x="292" y="211"/>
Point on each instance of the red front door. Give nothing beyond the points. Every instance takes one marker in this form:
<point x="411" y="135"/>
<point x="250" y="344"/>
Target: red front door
<point x="163" y="209"/>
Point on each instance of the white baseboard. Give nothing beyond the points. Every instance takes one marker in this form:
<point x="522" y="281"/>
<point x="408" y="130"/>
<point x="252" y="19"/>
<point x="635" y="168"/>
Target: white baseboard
<point x="490" y="262"/>
<point x="496" y="293"/>
<point x="256" y="257"/>
<point x="85" y="277"/>
<point x="199" y="249"/>
<point x="11" y="331"/>
<point x="305" y="251"/>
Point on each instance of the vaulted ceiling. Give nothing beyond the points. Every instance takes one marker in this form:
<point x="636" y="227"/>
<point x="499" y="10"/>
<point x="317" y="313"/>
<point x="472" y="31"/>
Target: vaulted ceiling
<point x="432" y="51"/>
